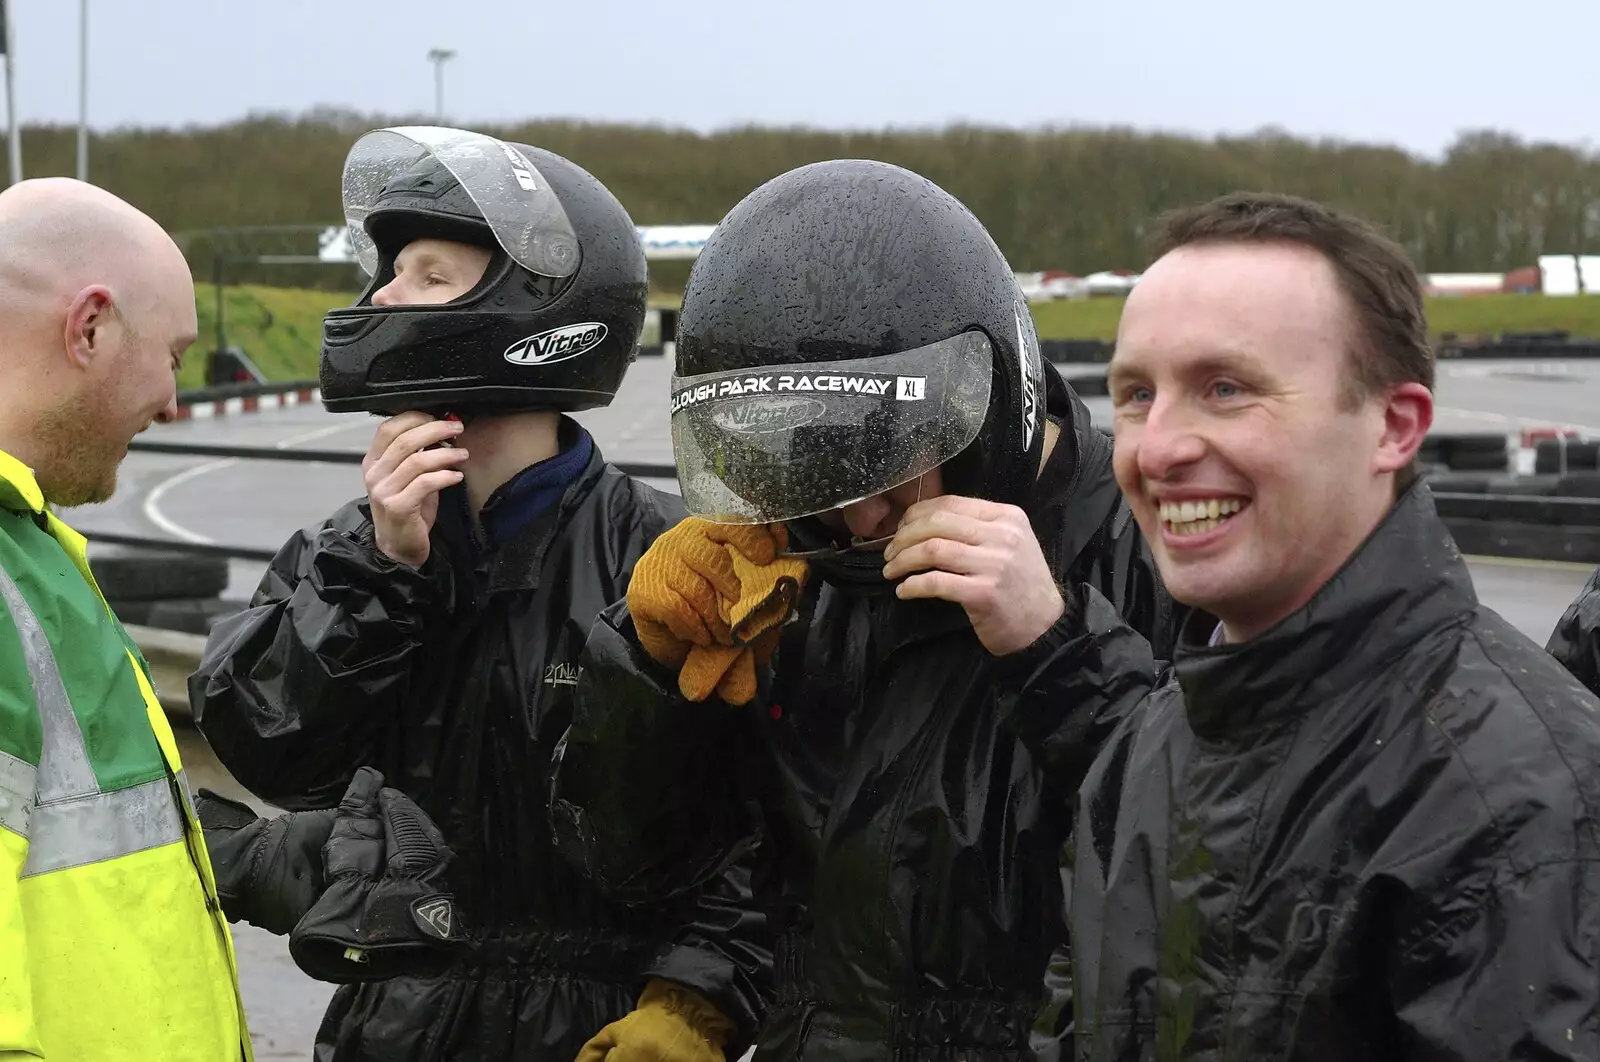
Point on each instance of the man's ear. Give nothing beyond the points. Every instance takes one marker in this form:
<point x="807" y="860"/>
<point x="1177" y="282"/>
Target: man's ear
<point x="91" y="319"/>
<point x="1407" y="417"/>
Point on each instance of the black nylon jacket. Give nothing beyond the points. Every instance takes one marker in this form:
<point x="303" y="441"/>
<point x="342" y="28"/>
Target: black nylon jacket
<point x="456" y="682"/>
<point x="1576" y="640"/>
<point x="903" y="845"/>
<point x="1369" y="833"/>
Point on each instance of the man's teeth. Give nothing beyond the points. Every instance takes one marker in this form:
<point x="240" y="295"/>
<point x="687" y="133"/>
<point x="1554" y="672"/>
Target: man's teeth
<point x="1198" y="517"/>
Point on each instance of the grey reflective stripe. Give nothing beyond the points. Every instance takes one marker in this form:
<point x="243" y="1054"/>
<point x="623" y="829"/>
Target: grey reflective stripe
<point x="64" y="769"/>
<point x="103" y="826"/>
<point x="16" y="792"/>
<point x="72" y="823"/>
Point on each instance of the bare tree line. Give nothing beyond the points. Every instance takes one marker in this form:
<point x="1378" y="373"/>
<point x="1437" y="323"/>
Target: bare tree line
<point x="1078" y="200"/>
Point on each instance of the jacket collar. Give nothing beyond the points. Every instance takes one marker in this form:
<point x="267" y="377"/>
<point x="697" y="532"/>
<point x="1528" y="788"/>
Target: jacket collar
<point x="19" y="488"/>
<point x="524" y="514"/>
<point x="523" y="498"/>
<point x="20" y="493"/>
<point x="1406" y="580"/>
<point x="1066" y="521"/>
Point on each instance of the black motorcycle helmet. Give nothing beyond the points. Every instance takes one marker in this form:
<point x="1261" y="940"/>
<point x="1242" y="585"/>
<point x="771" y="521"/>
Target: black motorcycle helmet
<point x="556" y="318"/>
<point x="848" y="327"/>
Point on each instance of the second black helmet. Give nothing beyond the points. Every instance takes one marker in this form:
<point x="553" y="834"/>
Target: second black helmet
<point x="849" y="326"/>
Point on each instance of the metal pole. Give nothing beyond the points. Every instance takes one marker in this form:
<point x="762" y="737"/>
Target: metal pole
<point x="216" y="283"/>
<point x="14" y="136"/>
<point x="83" y="90"/>
<point x="438" y="57"/>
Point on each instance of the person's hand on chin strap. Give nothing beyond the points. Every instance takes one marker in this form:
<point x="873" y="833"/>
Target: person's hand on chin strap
<point x="983" y="556"/>
<point x="670" y="1023"/>
<point x="708" y="599"/>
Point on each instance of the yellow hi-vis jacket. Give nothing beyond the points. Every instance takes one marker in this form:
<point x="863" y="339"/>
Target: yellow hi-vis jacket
<point x="113" y="945"/>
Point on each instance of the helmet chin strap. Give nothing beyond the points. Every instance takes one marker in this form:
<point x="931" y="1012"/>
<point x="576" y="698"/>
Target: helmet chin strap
<point x="856" y="568"/>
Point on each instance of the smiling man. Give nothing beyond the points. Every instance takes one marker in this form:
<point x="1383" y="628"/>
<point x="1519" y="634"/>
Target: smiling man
<point x="1356" y="818"/>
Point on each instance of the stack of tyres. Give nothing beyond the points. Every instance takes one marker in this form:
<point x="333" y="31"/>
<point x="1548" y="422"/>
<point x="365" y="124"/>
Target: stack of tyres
<point x="1467" y="452"/>
<point x="1561" y="456"/>
<point x="173" y="591"/>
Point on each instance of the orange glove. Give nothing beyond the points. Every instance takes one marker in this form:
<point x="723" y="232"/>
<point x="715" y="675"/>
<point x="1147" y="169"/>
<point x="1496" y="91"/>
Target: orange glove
<point x="670" y="1023"/>
<point x="708" y="598"/>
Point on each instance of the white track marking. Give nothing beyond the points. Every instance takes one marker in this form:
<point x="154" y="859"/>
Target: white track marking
<point x="152" y="501"/>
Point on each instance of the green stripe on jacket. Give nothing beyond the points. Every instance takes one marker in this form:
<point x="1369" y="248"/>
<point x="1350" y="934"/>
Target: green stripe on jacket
<point x="89" y="649"/>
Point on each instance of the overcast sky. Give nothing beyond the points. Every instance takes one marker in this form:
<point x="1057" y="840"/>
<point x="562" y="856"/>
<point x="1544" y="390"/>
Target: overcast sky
<point x="1407" y="72"/>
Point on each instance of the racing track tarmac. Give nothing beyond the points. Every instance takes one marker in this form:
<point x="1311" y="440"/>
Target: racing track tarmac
<point x="261" y="503"/>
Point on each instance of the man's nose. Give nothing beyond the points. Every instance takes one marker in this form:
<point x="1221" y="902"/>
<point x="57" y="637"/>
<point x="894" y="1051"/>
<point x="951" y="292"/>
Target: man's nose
<point x="169" y="412"/>
<point x="383" y="297"/>
<point x="1170" y="439"/>
<point x="866" y="517"/>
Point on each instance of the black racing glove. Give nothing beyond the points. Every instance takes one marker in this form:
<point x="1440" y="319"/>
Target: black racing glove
<point x="268" y="871"/>
<point x="384" y="912"/>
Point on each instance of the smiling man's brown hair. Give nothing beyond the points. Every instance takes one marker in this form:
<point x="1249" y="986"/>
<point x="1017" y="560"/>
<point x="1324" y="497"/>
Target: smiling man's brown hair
<point x="1390" y="343"/>
<point x="1377" y="277"/>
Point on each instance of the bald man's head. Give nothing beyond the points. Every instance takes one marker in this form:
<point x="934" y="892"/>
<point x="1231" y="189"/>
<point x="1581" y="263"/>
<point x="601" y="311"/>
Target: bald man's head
<point x="96" y="310"/>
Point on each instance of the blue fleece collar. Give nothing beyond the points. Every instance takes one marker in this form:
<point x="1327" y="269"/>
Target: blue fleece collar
<point x="530" y="493"/>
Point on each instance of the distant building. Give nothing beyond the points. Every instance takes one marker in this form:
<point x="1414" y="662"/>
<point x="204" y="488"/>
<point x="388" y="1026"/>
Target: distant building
<point x="1447" y="284"/>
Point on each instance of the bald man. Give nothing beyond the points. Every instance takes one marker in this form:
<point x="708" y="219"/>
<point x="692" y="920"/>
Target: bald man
<point x="112" y="942"/>
<point x="96" y="311"/>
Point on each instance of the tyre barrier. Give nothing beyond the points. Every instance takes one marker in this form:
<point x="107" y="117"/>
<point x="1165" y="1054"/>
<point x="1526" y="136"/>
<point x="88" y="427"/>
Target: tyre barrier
<point x="1518" y="345"/>
<point x="1468" y="452"/>
<point x="168" y="590"/>
<point x="1561" y="455"/>
<point x="1067" y="351"/>
<point x="1089" y="385"/>
<point x="1537" y="517"/>
<point x="191" y="615"/>
<point x="128" y="575"/>
<point x="1514" y="539"/>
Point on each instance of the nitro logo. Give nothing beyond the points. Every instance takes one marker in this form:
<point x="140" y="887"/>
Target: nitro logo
<point x="1029" y="369"/>
<point x="558" y="344"/>
<point x="906" y="388"/>
<point x="759" y="416"/>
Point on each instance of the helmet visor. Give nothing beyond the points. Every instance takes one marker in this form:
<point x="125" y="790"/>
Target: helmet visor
<point x="767" y="445"/>
<point x="521" y="208"/>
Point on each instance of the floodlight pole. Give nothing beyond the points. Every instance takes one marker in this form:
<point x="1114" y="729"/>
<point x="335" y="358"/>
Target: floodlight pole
<point x="83" y="90"/>
<point x="438" y="56"/>
<point x="14" y="138"/>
